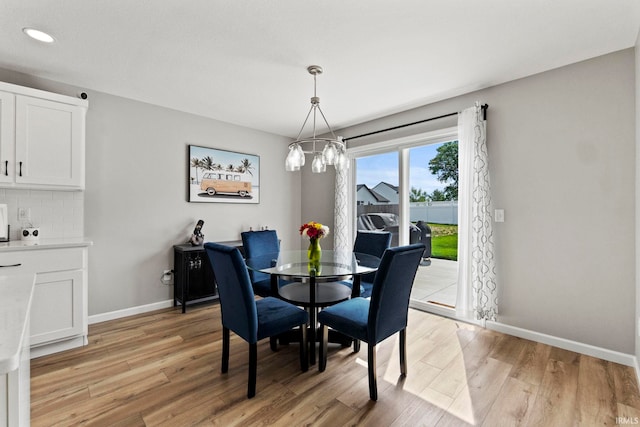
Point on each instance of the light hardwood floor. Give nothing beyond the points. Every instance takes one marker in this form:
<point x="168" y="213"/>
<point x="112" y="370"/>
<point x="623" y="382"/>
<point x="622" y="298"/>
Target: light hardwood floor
<point x="163" y="369"/>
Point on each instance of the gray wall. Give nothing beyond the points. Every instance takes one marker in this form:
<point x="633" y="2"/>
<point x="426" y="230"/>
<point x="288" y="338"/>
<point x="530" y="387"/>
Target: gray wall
<point x="558" y="141"/>
<point x="135" y="197"/>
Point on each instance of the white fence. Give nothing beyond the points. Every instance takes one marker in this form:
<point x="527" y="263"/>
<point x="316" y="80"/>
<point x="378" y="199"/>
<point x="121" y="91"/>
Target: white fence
<point x="433" y="212"/>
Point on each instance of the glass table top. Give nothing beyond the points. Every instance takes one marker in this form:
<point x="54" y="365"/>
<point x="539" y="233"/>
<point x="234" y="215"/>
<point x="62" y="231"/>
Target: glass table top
<point x="332" y="264"/>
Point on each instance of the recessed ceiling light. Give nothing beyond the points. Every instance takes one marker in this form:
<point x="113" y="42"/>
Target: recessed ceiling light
<point x="38" y="35"/>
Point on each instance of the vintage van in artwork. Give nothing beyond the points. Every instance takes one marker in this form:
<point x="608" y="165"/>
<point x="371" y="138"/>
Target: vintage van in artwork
<point x="226" y="183"/>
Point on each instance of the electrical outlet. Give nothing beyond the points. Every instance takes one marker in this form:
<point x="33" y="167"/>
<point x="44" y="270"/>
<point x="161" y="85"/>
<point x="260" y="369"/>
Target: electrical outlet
<point x="24" y="214"/>
<point x="167" y="277"/>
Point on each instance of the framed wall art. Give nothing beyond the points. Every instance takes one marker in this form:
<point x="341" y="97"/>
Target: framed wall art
<point x="221" y="176"/>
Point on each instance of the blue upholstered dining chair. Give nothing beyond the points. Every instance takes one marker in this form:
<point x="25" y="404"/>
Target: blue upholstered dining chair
<point x="256" y="244"/>
<point x="383" y="315"/>
<point x="249" y="318"/>
<point x="371" y="243"/>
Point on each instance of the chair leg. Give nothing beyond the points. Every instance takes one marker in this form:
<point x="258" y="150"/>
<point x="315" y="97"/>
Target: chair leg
<point x="273" y="341"/>
<point x="356" y="346"/>
<point x="324" y="338"/>
<point x="253" y="369"/>
<point x="304" y="356"/>
<point x="403" y="352"/>
<point x="225" y="350"/>
<point x="373" y="382"/>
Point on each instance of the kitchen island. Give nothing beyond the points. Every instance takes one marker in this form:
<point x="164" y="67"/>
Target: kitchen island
<point x="16" y="295"/>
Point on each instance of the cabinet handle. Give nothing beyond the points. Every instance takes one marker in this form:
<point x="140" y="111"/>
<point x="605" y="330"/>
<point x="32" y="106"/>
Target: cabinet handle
<point x="20" y="168"/>
<point x="6" y="168"/>
<point x="11" y="265"/>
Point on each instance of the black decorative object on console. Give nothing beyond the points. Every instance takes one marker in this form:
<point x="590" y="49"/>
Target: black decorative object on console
<point x="197" y="238"/>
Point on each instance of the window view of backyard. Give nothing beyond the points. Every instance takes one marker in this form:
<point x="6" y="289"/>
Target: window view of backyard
<point x="433" y="213"/>
<point x="444" y="241"/>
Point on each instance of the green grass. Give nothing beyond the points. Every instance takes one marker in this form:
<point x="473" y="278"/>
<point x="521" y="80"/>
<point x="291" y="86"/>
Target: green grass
<point x="444" y="241"/>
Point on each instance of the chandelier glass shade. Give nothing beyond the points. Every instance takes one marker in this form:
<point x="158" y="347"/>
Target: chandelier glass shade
<point x="334" y="150"/>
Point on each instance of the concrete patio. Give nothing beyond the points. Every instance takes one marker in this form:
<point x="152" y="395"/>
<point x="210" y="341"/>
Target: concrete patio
<point x="436" y="281"/>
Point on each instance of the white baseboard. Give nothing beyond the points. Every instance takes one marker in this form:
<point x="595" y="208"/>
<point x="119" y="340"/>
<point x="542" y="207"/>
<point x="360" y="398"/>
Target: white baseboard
<point x="578" y="347"/>
<point x="58" y="346"/>
<point x="103" y="317"/>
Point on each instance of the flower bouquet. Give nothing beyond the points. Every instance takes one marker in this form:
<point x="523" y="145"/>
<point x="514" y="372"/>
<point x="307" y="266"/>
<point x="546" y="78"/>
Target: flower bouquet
<point x="314" y="231"/>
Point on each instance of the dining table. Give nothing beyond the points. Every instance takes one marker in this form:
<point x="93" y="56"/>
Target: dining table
<point x="314" y="284"/>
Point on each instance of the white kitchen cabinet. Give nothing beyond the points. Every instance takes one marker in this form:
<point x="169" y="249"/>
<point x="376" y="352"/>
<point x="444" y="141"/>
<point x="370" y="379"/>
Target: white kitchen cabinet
<point x="42" y="139"/>
<point x="7" y="136"/>
<point x="59" y="319"/>
<point x="58" y="309"/>
<point x="49" y="143"/>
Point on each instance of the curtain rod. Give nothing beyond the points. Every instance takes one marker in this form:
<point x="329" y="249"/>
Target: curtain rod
<point x="484" y="117"/>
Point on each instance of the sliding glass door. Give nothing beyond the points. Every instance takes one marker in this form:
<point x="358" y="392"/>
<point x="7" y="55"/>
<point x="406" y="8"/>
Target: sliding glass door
<point x="409" y="188"/>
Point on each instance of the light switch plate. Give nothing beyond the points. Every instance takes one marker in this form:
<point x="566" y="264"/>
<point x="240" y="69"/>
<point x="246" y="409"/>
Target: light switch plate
<point x="499" y="215"/>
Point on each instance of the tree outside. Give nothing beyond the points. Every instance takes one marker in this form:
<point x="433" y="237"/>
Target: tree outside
<point x="445" y="167"/>
<point x="418" y="195"/>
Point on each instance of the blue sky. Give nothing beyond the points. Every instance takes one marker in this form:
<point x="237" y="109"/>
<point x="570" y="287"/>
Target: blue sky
<point x="384" y="167"/>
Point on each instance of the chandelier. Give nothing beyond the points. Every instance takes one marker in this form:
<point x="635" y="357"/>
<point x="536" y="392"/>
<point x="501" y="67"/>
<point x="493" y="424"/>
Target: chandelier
<point x="334" y="150"/>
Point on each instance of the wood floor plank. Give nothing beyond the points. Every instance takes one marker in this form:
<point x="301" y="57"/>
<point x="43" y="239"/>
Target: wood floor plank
<point x="442" y="352"/>
<point x="483" y="387"/>
<point x="421" y="412"/>
<point x="531" y="365"/>
<point x="163" y="369"/>
<point x="513" y="406"/>
<point x="453" y="377"/>
<point x="59" y="381"/>
<point x="508" y="349"/>
<point x="556" y="400"/>
<point x="333" y="414"/>
<point x="626" y="386"/>
<point x="596" y="397"/>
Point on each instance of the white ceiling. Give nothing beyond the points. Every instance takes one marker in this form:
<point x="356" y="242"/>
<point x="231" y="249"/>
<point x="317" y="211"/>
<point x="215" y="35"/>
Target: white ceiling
<point x="245" y="61"/>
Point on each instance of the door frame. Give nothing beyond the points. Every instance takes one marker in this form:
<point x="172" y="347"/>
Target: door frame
<point x="402" y="147"/>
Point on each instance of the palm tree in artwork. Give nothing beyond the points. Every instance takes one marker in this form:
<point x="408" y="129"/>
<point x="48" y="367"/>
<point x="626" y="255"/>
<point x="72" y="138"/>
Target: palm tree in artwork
<point x="245" y="166"/>
<point x="207" y="163"/>
<point x="196" y="163"/>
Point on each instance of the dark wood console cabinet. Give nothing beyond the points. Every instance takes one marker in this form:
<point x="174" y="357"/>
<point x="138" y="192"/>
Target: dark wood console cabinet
<point x="194" y="281"/>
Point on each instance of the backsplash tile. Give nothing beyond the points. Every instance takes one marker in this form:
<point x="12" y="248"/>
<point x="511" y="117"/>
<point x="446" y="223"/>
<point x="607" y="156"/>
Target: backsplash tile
<point x="57" y="213"/>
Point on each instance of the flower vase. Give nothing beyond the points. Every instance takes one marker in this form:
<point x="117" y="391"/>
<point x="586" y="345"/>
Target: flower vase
<point x="314" y="253"/>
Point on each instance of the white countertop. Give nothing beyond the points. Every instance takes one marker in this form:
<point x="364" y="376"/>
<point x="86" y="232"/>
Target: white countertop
<point x="69" y="242"/>
<point x="16" y="293"/>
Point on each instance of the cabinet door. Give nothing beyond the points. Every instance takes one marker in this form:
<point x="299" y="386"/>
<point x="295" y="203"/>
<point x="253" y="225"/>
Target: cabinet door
<point x="57" y="307"/>
<point x="7" y="136"/>
<point x="49" y="143"/>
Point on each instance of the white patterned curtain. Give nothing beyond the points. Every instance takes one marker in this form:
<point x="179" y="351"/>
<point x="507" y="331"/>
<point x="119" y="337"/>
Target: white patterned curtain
<point x="341" y="240"/>
<point x="477" y="290"/>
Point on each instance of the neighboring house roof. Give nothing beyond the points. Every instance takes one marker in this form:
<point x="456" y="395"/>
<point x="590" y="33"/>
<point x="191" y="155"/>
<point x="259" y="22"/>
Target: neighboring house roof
<point x="377" y="196"/>
<point x="391" y="186"/>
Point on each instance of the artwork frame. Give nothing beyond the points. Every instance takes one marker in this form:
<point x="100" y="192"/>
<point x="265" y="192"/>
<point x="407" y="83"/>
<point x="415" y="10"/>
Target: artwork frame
<point x="222" y="176"/>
